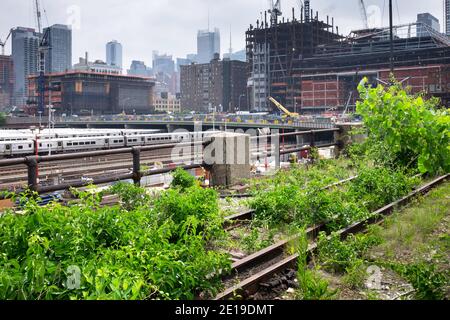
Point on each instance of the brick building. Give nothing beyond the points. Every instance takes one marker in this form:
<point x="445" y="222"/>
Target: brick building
<point x="220" y="84"/>
<point x="6" y="81"/>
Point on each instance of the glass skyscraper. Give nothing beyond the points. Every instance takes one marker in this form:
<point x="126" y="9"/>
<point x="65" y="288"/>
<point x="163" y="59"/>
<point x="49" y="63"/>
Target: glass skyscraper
<point x="114" y="54"/>
<point x="208" y="43"/>
<point x="59" y="57"/>
<point x="25" y="45"/>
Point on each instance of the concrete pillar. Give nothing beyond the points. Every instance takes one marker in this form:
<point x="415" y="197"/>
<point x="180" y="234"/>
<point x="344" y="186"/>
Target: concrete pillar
<point x="228" y="156"/>
<point x="346" y="137"/>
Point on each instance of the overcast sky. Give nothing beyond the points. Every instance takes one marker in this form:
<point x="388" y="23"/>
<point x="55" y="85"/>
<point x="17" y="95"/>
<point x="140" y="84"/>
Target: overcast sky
<point x="170" y="26"/>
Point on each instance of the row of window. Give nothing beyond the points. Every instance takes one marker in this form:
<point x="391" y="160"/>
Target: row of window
<point x="82" y="143"/>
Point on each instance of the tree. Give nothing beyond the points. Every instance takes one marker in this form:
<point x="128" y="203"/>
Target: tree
<point x="405" y="130"/>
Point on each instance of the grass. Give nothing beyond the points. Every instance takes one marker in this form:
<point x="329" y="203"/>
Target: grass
<point x="413" y="243"/>
<point x="407" y="233"/>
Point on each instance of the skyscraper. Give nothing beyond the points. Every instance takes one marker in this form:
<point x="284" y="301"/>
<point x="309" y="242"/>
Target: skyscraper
<point x="138" y="68"/>
<point x="208" y="43"/>
<point x="447" y="17"/>
<point x="59" y="57"/>
<point x="427" y="19"/>
<point x="114" y="54"/>
<point x="25" y="45"/>
<point x="163" y="63"/>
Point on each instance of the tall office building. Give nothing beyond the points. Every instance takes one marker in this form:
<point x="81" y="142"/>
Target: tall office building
<point x="138" y="68"/>
<point x="208" y="43"/>
<point x="427" y="19"/>
<point x="59" y="57"/>
<point x="163" y="63"/>
<point x="447" y="17"/>
<point x="25" y="45"/>
<point x="114" y="54"/>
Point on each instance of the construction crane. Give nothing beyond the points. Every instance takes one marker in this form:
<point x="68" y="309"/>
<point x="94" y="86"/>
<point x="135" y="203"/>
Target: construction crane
<point x="362" y="6"/>
<point x="3" y="43"/>
<point x="283" y="109"/>
<point x="307" y="10"/>
<point x="275" y="11"/>
<point x="43" y="48"/>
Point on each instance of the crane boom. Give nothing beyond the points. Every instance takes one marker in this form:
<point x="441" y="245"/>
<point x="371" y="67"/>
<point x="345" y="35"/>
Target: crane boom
<point x="283" y="109"/>
<point x="38" y="15"/>
<point x="362" y="6"/>
<point x="3" y="43"/>
<point x="275" y="10"/>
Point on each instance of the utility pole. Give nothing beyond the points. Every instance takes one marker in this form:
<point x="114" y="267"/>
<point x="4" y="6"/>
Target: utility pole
<point x="391" y="27"/>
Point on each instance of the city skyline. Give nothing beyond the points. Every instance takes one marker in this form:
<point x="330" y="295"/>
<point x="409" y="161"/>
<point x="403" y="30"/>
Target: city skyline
<point x="156" y="21"/>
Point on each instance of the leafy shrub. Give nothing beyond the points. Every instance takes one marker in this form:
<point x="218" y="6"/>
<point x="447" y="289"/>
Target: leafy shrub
<point x="341" y="256"/>
<point x="121" y="255"/>
<point x="405" y="130"/>
<point x="313" y="287"/>
<point x="376" y="187"/>
<point x="191" y="211"/>
<point x="130" y="195"/>
<point x="182" y="180"/>
<point x="429" y="283"/>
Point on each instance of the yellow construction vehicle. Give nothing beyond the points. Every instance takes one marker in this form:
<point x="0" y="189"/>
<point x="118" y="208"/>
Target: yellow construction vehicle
<point x="286" y="112"/>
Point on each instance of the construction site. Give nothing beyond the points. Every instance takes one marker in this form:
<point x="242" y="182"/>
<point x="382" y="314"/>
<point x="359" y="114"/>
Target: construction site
<point x="309" y="67"/>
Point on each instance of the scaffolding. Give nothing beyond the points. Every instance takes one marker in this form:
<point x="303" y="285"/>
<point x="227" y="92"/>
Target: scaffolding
<point x="285" y="55"/>
<point x="276" y="48"/>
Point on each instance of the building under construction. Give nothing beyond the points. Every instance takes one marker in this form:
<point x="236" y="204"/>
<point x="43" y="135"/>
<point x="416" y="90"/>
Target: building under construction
<point x="310" y="68"/>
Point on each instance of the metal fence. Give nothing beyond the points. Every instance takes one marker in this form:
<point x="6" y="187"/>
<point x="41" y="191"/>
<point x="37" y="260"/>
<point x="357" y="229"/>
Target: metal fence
<point x="32" y="162"/>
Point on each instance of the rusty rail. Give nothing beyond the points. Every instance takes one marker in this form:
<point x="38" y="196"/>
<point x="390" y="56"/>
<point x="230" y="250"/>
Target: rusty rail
<point x="250" y="286"/>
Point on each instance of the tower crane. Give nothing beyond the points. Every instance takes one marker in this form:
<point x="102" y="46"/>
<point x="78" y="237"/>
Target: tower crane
<point x="3" y="43"/>
<point x="275" y="10"/>
<point x="362" y="6"/>
<point x="43" y="48"/>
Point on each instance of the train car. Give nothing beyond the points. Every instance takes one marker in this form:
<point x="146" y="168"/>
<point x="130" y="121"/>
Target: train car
<point x="46" y="146"/>
<point x="115" y="142"/>
<point x="84" y="144"/>
<point x="16" y="148"/>
<point x="134" y="140"/>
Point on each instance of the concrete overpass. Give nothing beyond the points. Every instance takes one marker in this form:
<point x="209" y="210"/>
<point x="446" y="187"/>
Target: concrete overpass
<point x="166" y="125"/>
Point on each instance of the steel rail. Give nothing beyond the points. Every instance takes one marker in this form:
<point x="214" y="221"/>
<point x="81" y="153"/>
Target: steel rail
<point x="251" y="285"/>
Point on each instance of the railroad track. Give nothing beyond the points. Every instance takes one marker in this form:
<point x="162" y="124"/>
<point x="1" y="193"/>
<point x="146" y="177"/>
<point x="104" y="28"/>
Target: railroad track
<point x="259" y="270"/>
<point x="16" y="176"/>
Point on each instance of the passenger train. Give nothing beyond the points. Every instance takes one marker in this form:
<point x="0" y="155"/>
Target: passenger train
<point x="79" y="144"/>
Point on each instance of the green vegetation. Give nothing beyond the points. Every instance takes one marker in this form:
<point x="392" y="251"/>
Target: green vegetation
<point x="405" y="130"/>
<point x="403" y="245"/>
<point x="311" y="285"/>
<point x="2" y="119"/>
<point x="307" y="203"/>
<point x="130" y="251"/>
<point x="182" y="179"/>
